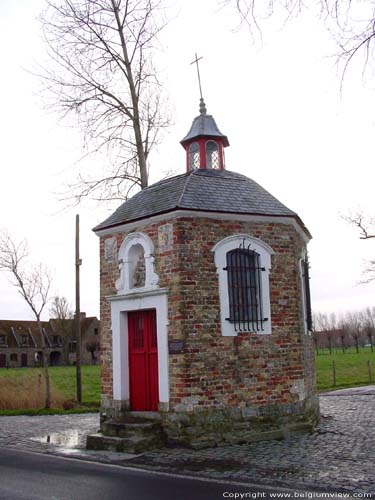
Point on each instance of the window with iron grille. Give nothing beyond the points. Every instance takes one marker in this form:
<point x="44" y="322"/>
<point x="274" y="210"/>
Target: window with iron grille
<point x="245" y="290"/>
<point x="243" y="265"/>
<point x="306" y="295"/>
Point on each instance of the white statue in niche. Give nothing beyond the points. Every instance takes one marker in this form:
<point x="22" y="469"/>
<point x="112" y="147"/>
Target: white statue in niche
<point x="136" y="264"/>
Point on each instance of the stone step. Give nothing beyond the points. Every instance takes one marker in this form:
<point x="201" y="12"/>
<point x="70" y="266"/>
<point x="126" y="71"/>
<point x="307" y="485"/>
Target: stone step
<point x="133" y="444"/>
<point x="135" y="432"/>
<point x="139" y="417"/>
<point x="147" y="415"/>
<point x="122" y="428"/>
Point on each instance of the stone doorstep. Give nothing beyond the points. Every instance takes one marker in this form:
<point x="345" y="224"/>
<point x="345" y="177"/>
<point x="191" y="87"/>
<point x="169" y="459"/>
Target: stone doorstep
<point x="125" y="429"/>
<point x="148" y="415"/>
<point x="135" y="432"/>
<point x="137" y="417"/>
<point x="132" y="444"/>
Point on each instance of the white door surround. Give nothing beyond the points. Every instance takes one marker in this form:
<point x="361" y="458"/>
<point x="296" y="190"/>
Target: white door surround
<point x="134" y="301"/>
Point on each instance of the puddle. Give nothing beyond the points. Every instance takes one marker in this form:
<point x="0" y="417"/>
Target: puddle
<point x="67" y="439"/>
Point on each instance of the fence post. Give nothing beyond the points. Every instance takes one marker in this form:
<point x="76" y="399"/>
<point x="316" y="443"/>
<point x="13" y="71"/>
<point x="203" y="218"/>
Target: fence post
<point x="369" y="370"/>
<point x="334" y="372"/>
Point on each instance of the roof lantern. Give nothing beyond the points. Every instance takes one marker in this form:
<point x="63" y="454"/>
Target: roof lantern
<point x="204" y="143"/>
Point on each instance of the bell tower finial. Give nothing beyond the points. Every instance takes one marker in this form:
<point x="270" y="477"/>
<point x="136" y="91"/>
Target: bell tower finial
<point x="202" y="105"/>
<point x="204" y="144"/>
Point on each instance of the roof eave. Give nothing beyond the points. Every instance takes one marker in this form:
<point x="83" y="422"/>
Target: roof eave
<point x="188" y="139"/>
<point x="100" y="228"/>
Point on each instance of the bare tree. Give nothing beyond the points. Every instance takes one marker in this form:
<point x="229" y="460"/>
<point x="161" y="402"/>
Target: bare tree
<point x="62" y="314"/>
<point x="366" y="227"/>
<point x="342" y="338"/>
<point x="60" y="308"/>
<point x="352" y="22"/>
<point x="100" y="70"/>
<point x="32" y="283"/>
<point x="324" y="321"/>
<point x="351" y="324"/>
<point x="368" y="321"/>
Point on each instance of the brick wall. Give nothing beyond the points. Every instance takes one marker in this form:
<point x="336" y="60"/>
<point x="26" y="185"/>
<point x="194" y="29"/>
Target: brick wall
<point x="218" y="372"/>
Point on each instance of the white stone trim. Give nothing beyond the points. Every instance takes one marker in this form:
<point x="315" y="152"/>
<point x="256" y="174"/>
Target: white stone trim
<point x="124" y="284"/>
<point x="120" y="306"/>
<point x="303" y="291"/>
<point x="265" y="251"/>
<point x="210" y="215"/>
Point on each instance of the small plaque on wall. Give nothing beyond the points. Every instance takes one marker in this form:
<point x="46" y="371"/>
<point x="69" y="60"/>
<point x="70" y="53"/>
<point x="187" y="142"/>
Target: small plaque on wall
<point x="176" y="346"/>
<point x="110" y="249"/>
<point x="165" y="237"/>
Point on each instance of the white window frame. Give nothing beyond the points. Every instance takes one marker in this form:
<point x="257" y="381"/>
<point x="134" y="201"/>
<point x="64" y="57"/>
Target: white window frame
<point x="265" y="252"/>
<point x="303" y="292"/>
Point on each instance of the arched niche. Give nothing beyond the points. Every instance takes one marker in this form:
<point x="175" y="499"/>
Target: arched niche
<point x="136" y="264"/>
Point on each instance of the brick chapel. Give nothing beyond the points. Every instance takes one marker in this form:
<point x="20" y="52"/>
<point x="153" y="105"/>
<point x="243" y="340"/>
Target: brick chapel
<point x="205" y="308"/>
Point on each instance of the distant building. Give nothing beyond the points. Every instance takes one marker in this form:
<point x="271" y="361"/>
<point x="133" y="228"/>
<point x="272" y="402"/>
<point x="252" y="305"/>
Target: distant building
<point x="21" y="342"/>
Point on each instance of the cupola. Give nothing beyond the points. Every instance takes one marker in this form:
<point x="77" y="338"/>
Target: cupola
<point x="204" y="144"/>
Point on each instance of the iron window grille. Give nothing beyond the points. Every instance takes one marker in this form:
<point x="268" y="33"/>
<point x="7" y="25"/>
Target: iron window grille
<point x="306" y="285"/>
<point x="245" y="290"/>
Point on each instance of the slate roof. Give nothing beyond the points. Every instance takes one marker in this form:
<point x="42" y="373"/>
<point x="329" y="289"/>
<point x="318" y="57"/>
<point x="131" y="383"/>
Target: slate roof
<point x="204" y="125"/>
<point x="204" y="190"/>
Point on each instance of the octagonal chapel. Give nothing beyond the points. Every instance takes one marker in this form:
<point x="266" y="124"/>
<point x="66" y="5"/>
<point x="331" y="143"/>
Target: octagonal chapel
<point x="205" y="310"/>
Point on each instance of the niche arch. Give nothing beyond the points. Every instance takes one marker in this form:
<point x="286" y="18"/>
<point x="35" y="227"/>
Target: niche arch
<point x="136" y="264"/>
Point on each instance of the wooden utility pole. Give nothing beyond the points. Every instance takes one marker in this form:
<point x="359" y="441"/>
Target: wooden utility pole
<point x="78" y="317"/>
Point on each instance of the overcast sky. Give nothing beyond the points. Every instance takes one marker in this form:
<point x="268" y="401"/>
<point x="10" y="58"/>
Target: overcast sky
<point x="279" y="104"/>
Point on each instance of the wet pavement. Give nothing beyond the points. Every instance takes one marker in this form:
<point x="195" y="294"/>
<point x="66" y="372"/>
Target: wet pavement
<point x="338" y="457"/>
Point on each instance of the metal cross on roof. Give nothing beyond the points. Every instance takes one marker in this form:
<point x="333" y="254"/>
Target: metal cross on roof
<point x="196" y="61"/>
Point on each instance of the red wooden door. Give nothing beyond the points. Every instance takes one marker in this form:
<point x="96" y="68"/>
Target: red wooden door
<point x="143" y="361"/>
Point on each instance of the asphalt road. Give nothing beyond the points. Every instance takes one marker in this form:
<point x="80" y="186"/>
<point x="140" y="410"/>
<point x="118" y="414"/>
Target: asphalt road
<point x="30" y="476"/>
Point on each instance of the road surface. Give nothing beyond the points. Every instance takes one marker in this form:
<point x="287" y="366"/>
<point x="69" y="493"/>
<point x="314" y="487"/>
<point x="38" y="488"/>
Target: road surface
<point x="30" y="476"/>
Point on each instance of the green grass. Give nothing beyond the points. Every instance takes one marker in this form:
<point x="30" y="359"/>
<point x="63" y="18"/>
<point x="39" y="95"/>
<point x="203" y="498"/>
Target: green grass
<point x="63" y="379"/>
<point x="351" y="368"/>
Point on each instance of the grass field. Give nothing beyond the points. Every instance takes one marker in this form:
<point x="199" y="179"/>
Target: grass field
<point x="351" y="368"/>
<point x="63" y="382"/>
